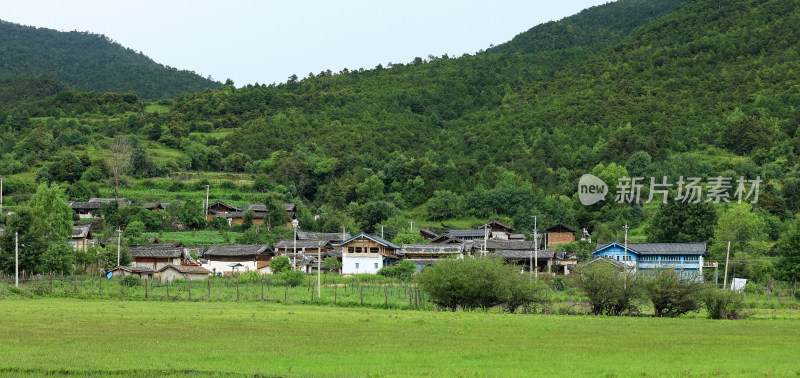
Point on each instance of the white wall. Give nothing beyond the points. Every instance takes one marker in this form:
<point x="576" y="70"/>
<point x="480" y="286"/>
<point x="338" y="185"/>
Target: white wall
<point x="366" y="265"/>
<point x="222" y="266"/>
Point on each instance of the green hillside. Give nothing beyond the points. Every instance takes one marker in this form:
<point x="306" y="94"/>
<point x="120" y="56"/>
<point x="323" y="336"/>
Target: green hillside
<point x="90" y="62"/>
<point x="707" y="89"/>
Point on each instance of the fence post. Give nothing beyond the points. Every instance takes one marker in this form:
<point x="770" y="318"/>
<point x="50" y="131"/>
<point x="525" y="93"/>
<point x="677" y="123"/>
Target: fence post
<point x="75" y="284"/>
<point x="386" y="295"/>
<point x="286" y="293"/>
<point x="237" y="288"/>
<point x="167" y="289"/>
<point x="362" y="295"/>
<point x="122" y="287"/>
<point x="262" y="288"/>
<point x="312" y="295"/>
<point x="190" y="289"/>
<point x="335" y="292"/>
<point x="100" y="287"/>
<point x="209" y="288"/>
<point x="145" y="289"/>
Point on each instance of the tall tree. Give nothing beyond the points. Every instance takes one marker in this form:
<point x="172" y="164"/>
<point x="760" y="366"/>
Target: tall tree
<point x="683" y="222"/>
<point x="119" y="164"/>
<point x="788" y="248"/>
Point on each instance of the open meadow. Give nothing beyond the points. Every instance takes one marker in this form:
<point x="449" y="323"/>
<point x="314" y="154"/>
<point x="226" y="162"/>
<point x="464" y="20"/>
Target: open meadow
<point x="102" y="337"/>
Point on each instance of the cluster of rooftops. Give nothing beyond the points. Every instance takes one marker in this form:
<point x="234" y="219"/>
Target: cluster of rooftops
<point x="365" y="253"/>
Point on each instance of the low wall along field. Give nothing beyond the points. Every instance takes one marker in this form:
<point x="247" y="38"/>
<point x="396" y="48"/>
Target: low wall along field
<point x="92" y="336"/>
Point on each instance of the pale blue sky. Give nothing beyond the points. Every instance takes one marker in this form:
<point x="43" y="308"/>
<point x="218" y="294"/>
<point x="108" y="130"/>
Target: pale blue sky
<point x="267" y="41"/>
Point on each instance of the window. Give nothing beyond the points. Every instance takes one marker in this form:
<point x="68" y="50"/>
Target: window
<point x="374" y="250"/>
<point x="376" y="265"/>
<point x="356" y="265"/>
<point x="358" y="249"/>
<point x="350" y="250"/>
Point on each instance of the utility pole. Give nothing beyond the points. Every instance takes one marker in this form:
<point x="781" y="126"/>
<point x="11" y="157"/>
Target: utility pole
<point x="624" y="264"/>
<point x="16" y="259"/>
<point x="319" y="273"/>
<point x="382" y="231"/>
<point x="295" y="223"/>
<point x="412" y="226"/>
<point x="485" y="241"/>
<point x="727" y="258"/>
<point x="119" y="243"/>
<point x="343" y="233"/>
<point x="208" y="187"/>
<point x="535" y="247"/>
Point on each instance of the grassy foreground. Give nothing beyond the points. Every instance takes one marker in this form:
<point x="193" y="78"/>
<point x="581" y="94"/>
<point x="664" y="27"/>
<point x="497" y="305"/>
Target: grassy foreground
<point x="101" y="337"/>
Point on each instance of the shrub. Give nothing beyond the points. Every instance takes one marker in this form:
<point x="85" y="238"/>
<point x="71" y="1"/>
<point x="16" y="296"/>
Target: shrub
<point x="723" y="304"/>
<point x="404" y="270"/>
<point x="131" y="281"/>
<point x="477" y="283"/>
<point x="672" y="295"/>
<point x="331" y="263"/>
<point x="610" y="290"/>
<point x="293" y="277"/>
<point x="279" y="264"/>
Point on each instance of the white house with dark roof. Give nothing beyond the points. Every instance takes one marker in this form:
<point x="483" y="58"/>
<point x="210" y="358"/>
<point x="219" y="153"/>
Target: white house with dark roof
<point x="227" y="258"/>
<point x="423" y="254"/>
<point x="366" y="254"/>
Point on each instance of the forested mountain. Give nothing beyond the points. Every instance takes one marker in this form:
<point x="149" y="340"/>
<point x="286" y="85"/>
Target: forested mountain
<point x="589" y="30"/>
<point x="707" y="89"/>
<point x="92" y="62"/>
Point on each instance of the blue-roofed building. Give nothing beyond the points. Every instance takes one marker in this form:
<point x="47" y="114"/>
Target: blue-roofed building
<point x="687" y="258"/>
<point x="365" y="253"/>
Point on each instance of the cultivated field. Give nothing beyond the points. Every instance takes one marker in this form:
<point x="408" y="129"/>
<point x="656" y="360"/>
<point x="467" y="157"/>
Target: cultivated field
<point x="53" y="335"/>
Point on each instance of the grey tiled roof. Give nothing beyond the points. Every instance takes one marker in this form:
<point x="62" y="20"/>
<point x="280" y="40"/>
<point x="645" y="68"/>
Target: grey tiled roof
<point x="289" y="244"/>
<point x="134" y="269"/>
<point x="431" y="249"/>
<point x="191" y="269"/>
<point x="519" y="254"/>
<point x="698" y="248"/>
<point x="495" y="223"/>
<point x="155" y="205"/>
<point x="374" y="238"/>
<point x="561" y="227"/>
<point x="156" y="250"/>
<point x="494" y="245"/>
<point x="333" y="236"/>
<point x="85" y="205"/>
<point x="456" y="233"/>
<point x="260" y="207"/>
<point x="81" y="231"/>
<point x="237" y="250"/>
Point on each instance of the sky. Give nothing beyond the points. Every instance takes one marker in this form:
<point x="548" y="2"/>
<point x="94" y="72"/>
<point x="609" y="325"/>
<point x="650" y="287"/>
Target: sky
<point x="268" y="41"/>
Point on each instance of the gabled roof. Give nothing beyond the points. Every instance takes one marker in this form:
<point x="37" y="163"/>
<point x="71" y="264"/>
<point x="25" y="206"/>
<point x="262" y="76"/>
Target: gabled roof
<point x="155" y="205"/>
<point x="85" y="205"/>
<point x="237" y="250"/>
<point x="307" y="244"/>
<point x="494" y="245"/>
<point x="444" y="239"/>
<point x="516" y="237"/>
<point x="120" y="201"/>
<point x="289" y="207"/>
<point x="323" y="236"/>
<point x="457" y="233"/>
<point x="260" y="207"/>
<point x="561" y="227"/>
<point x="695" y="248"/>
<point x="495" y="223"/>
<point x="428" y="234"/>
<point x="519" y="254"/>
<point x="134" y="269"/>
<point x="240" y="214"/>
<point x="374" y="238"/>
<point x="431" y="249"/>
<point x="156" y="250"/>
<point x="224" y="205"/>
<point x="186" y="269"/>
<point x="81" y="231"/>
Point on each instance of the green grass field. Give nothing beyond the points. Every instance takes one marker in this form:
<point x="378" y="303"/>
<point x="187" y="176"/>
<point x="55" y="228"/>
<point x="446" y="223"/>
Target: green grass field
<point x="40" y="336"/>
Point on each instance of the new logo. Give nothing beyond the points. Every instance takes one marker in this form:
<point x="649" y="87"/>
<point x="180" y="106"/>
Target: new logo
<point x="591" y="189"/>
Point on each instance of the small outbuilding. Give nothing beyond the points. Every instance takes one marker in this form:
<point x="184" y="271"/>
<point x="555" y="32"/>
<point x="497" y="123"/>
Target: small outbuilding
<point x="171" y="272"/>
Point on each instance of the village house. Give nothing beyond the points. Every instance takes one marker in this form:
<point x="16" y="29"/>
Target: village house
<point x="427" y="253"/>
<point x="686" y="258"/>
<point x="303" y="252"/>
<point x="492" y="230"/>
<point x="230" y="258"/>
<point x="155" y="206"/>
<point x="521" y="252"/>
<point x="559" y="234"/>
<point x="235" y="215"/>
<point x="82" y="237"/>
<point x="90" y="208"/>
<point x="366" y="254"/>
<point x="170" y="272"/>
<point x="156" y="256"/>
<point x="142" y="272"/>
